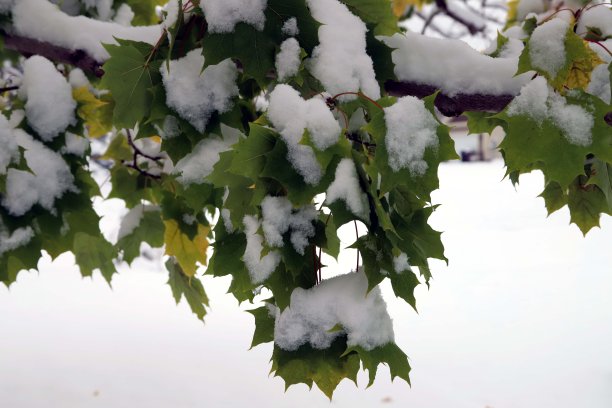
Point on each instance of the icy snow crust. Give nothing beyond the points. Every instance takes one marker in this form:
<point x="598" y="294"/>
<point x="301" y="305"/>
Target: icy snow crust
<point x="340" y="61"/>
<point x="223" y="15"/>
<point x="453" y="66"/>
<point x="49" y="104"/>
<point x="194" y="94"/>
<point x="341" y="300"/>
<point x="291" y="116"/>
<point x="43" y="21"/>
<point x="346" y="187"/>
<point x="48" y="179"/>
<point x="411" y="129"/>
<point x="547" y="46"/>
<point x="540" y="102"/>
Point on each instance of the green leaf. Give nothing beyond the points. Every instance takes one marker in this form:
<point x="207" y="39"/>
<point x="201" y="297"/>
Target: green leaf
<point x="389" y="354"/>
<point x="601" y="176"/>
<point x="377" y="13"/>
<point x="554" y="197"/>
<point x="150" y="230"/>
<point x="24" y="257"/>
<point x="129" y="74"/>
<point x="326" y="368"/>
<point x="264" y="326"/>
<point x="481" y="122"/>
<point x="94" y="252"/>
<point x="188" y="287"/>
<point x="250" y="154"/>
<point x="586" y="203"/>
<point x="331" y="233"/>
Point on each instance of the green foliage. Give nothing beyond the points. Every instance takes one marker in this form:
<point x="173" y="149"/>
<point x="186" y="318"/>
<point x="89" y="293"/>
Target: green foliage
<point x="140" y="167"/>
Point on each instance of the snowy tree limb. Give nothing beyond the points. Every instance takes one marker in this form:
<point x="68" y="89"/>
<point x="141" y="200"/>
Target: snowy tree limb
<point x="29" y="46"/>
<point x="447" y="105"/>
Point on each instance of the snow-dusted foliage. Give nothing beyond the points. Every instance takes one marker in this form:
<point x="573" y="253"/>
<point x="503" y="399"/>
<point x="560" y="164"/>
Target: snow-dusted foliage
<point x="344" y="301"/>
<point x="259" y="267"/>
<point x="49" y="104"/>
<point x="346" y="187"/>
<point x="196" y="94"/>
<point x="223" y="15"/>
<point x="288" y="59"/>
<point x="546" y="46"/>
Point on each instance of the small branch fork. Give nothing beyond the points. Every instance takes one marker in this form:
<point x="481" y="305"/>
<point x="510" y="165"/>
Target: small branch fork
<point x="137" y="152"/>
<point x="471" y="27"/>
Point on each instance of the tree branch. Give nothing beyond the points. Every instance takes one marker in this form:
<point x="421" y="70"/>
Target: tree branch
<point x="29" y="46"/>
<point x="470" y="25"/>
<point x="450" y="105"/>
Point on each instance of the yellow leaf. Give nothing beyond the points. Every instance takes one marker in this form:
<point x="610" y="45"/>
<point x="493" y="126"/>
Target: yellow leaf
<point x="400" y="6"/>
<point x="156" y="139"/>
<point x="580" y="72"/>
<point x="186" y="251"/>
<point x="95" y="112"/>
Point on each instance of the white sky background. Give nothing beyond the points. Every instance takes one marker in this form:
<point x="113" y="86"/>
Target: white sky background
<point x="522" y="317"/>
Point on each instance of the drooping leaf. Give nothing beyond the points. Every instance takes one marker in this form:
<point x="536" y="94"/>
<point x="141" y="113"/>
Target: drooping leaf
<point x="149" y="230"/>
<point x="187" y="251"/>
<point x="188" y="287"/>
<point x="94" y="252"/>
<point x="264" y="326"/>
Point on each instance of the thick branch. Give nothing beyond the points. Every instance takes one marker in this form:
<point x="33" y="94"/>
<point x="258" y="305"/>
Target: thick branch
<point x="28" y="46"/>
<point x="450" y="105"/>
<point x="470" y="25"/>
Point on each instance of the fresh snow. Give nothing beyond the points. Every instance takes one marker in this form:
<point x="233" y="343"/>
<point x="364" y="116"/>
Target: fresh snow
<point x="343" y="300"/>
<point x="279" y="217"/>
<point x="288" y="59"/>
<point x="197" y="165"/>
<point x="453" y="66"/>
<point x="223" y="15"/>
<point x="48" y="179"/>
<point x="411" y="129"/>
<point x="346" y="187"/>
<point x="291" y="116"/>
<point x="75" y="145"/>
<point x="400" y="263"/>
<point x="18" y="238"/>
<point x="195" y="94"/>
<point x="51" y="25"/>
<point x="529" y="6"/>
<point x="9" y="150"/>
<point x="540" y="102"/>
<point x="49" y="104"/>
<point x="290" y="27"/>
<point x="259" y="267"/>
<point x="340" y="61"/>
<point x="547" y="46"/>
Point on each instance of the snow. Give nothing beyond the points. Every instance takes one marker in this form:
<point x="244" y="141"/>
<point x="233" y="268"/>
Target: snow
<point x="531" y="101"/>
<point x="400" y="263"/>
<point x="529" y="6"/>
<point x="124" y="15"/>
<point x="260" y="268"/>
<point x="452" y="66"/>
<point x="600" y="82"/>
<point x="51" y="25"/>
<point x="340" y="61"/>
<point x="49" y="104"/>
<point x="197" y="165"/>
<point x="131" y="221"/>
<point x="342" y="300"/>
<point x="411" y="129"/>
<point x="18" y="238"/>
<point x="195" y="94"/>
<point x="279" y="217"/>
<point x="346" y="187"/>
<point x="223" y="15"/>
<point x="48" y="179"/>
<point x="75" y="145"/>
<point x="547" y="46"/>
<point x="600" y="17"/>
<point x="9" y="151"/>
<point x="78" y="79"/>
<point x="288" y="59"/>
<point x="290" y="27"/>
<point x="540" y="103"/>
<point x="291" y="116"/>
<point x="483" y="336"/>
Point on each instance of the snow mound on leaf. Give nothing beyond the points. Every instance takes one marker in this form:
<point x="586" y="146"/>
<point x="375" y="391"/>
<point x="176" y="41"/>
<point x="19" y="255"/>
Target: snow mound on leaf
<point x="195" y="94"/>
<point x="279" y="217"/>
<point x="259" y="267"/>
<point x="411" y="129"/>
<point x="346" y="187"/>
<point x="288" y="59"/>
<point x="340" y="301"/>
<point x="223" y="15"/>
<point x="49" y="104"/>
<point x="547" y="46"/>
